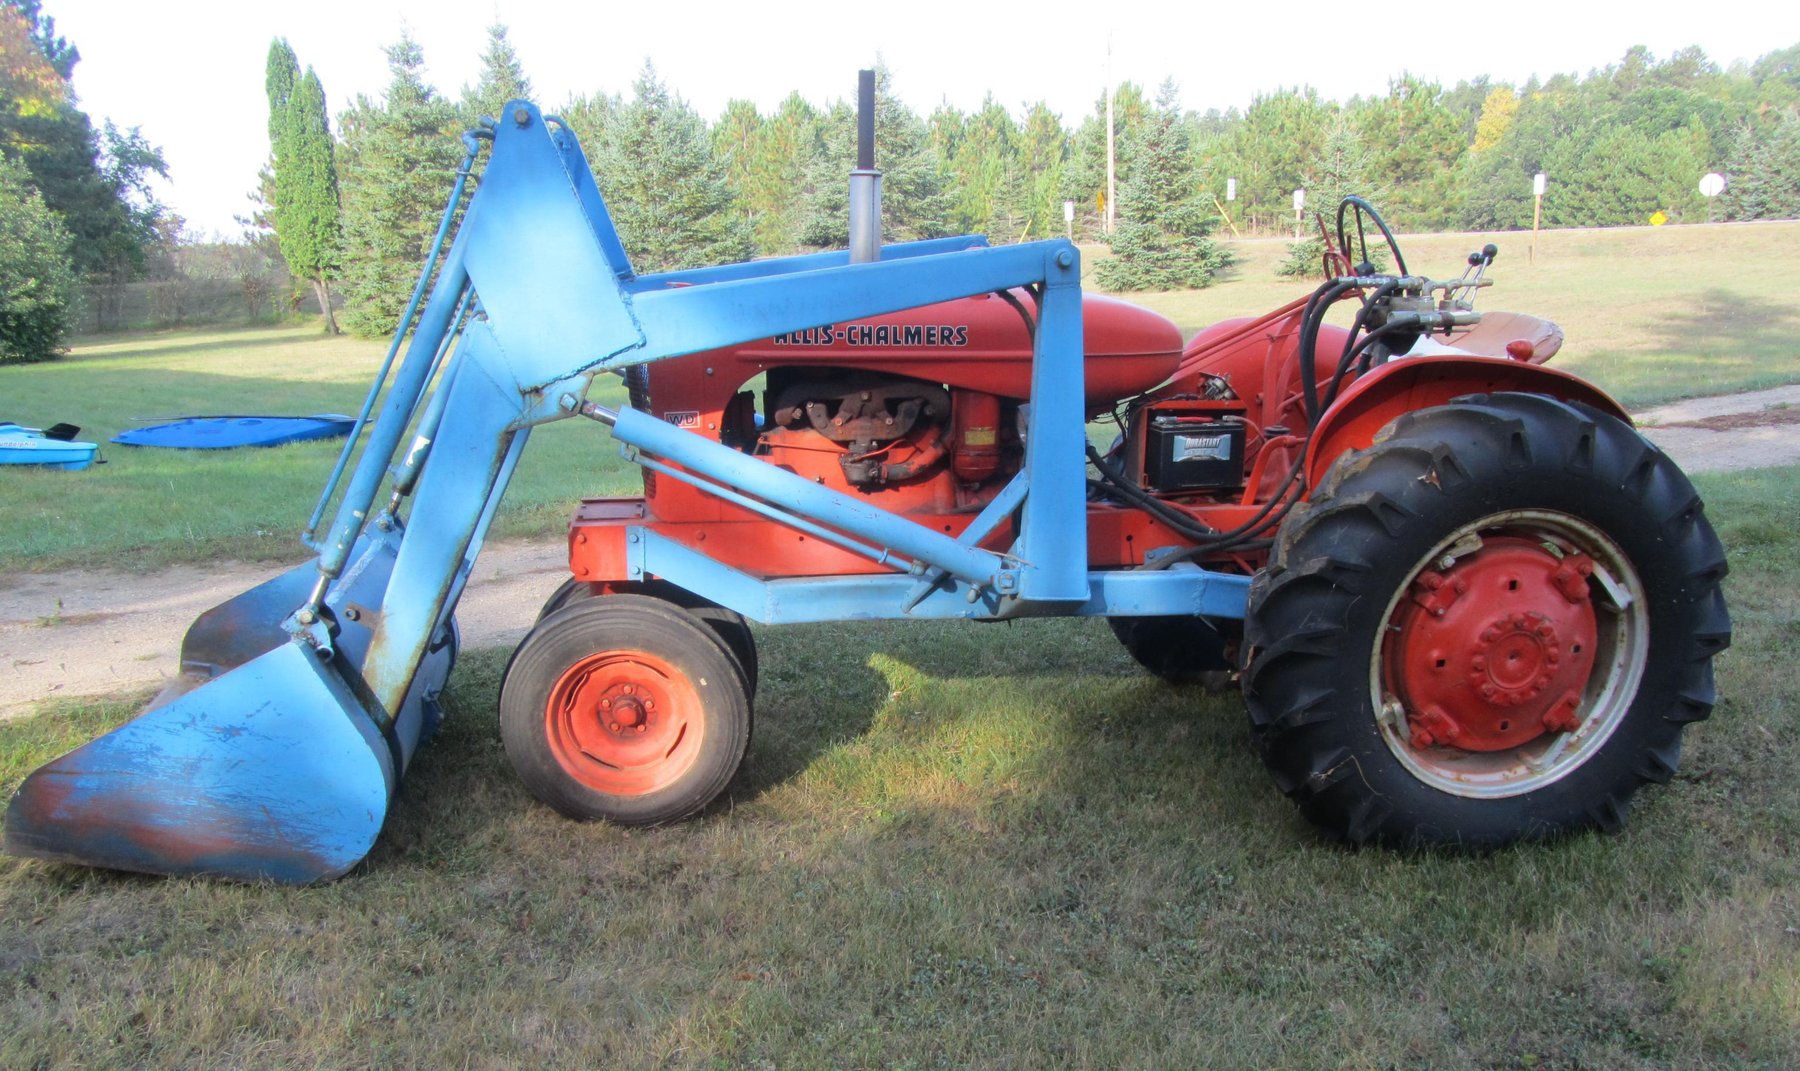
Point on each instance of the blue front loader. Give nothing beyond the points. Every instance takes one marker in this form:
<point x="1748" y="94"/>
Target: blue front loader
<point x="313" y="692"/>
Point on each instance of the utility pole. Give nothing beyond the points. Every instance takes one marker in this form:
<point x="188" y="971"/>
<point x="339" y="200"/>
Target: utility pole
<point x="1112" y="194"/>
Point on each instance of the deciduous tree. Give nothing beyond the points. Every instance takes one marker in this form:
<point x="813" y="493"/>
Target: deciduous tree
<point x="37" y="287"/>
<point x="95" y="180"/>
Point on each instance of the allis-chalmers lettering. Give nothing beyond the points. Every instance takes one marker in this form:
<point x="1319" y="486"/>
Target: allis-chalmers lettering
<point x="941" y="335"/>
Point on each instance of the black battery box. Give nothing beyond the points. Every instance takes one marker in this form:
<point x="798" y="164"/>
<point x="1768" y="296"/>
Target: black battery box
<point x="1193" y="452"/>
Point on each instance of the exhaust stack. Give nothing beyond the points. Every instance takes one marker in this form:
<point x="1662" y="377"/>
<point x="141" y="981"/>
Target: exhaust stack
<point x="865" y="181"/>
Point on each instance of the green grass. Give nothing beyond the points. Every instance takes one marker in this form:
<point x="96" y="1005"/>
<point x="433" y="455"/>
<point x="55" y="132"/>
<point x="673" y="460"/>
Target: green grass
<point x="957" y="846"/>
<point x="1650" y="314"/>
<point x="148" y="507"/>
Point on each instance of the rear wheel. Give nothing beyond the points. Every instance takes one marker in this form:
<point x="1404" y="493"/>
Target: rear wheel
<point x="1182" y="650"/>
<point x="1492" y="625"/>
<point x="624" y="708"/>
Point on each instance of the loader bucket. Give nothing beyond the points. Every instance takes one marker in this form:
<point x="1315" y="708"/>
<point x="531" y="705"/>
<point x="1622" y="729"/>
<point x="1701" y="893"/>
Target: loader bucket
<point x="249" y="625"/>
<point x="273" y="772"/>
<point x="260" y="763"/>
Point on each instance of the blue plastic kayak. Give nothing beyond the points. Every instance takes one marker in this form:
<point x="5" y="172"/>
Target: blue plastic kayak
<point x="226" y="432"/>
<point x="28" y="446"/>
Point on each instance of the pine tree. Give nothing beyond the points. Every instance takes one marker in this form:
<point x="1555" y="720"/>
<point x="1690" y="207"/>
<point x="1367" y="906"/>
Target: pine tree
<point x="1413" y="140"/>
<point x="587" y="118"/>
<point x="1043" y="157"/>
<point x="398" y="163"/>
<point x="1270" y="150"/>
<point x="1343" y="171"/>
<point x="982" y="168"/>
<point x="1762" y="173"/>
<point x="502" y="79"/>
<point x="786" y="146"/>
<point x="668" y="193"/>
<point x="1163" y="238"/>
<point x="736" y="141"/>
<point x="913" y="200"/>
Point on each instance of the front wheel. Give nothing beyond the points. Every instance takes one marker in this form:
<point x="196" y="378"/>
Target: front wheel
<point x="732" y="630"/>
<point x="1492" y="625"/>
<point x="626" y="708"/>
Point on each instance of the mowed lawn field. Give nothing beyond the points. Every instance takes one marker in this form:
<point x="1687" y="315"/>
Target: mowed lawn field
<point x="953" y="845"/>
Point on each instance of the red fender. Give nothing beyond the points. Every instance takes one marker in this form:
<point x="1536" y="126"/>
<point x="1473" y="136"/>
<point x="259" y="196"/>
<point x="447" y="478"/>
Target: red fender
<point x="1401" y="386"/>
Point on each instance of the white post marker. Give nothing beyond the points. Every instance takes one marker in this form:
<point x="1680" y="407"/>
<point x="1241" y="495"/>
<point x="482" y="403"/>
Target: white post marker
<point x="1299" y="206"/>
<point x="1539" y="182"/>
<point x="1069" y="218"/>
<point x="1231" y="189"/>
<point x="1712" y="184"/>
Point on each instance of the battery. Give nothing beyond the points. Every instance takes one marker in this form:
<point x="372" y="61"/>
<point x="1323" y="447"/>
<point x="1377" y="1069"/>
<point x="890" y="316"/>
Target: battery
<point x="1189" y="453"/>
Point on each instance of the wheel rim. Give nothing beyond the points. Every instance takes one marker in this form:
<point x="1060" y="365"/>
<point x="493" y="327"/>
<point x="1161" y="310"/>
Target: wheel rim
<point x="624" y="722"/>
<point x="1510" y="654"/>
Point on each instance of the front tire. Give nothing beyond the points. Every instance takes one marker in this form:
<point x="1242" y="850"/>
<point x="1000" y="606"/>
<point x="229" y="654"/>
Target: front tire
<point x="1491" y="625"/>
<point x="625" y="708"/>
<point x="731" y="628"/>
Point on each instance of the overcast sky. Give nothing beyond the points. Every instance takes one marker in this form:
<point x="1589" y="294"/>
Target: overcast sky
<point x="190" y="72"/>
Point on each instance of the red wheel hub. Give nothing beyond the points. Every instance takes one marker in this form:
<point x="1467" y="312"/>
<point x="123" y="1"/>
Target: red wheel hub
<point x="1494" y="650"/>
<point x="624" y="722"/>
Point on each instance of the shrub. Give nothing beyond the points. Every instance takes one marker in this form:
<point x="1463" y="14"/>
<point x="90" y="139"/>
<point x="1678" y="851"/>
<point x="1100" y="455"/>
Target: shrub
<point x="37" y="285"/>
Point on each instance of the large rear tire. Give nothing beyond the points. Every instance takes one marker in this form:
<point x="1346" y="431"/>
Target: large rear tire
<point x="1491" y="625"/>
<point x="624" y="708"/>
<point x="1181" y="650"/>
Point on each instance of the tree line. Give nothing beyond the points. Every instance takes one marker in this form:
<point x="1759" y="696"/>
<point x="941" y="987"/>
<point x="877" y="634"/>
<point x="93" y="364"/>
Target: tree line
<point x="353" y="209"/>
<point x="1618" y="144"/>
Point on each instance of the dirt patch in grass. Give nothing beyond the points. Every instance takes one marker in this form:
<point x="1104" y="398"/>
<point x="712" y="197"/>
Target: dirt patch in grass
<point x="1764" y="418"/>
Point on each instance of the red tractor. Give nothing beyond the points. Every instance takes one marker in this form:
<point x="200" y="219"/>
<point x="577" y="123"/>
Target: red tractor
<point x="1467" y="602"/>
<point x="1483" y="606"/>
